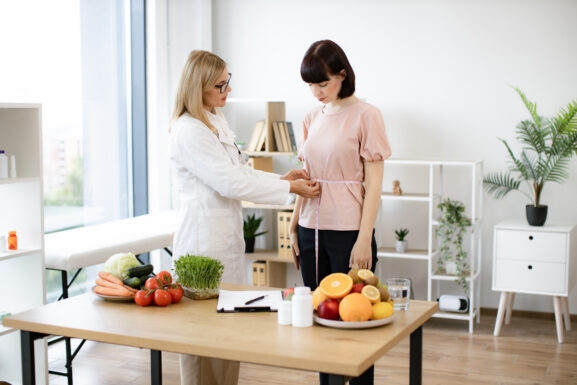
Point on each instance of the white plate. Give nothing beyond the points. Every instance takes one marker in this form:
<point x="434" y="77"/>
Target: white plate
<point x="353" y="325"/>
<point x="113" y="298"/>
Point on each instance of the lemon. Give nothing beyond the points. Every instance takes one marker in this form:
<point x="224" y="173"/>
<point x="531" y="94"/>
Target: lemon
<point x="382" y="310"/>
<point x="364" y="274"/>
<point x="372" y="293"/>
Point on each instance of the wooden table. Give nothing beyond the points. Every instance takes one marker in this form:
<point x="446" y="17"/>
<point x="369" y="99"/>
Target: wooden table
<point x="194" y="327"/>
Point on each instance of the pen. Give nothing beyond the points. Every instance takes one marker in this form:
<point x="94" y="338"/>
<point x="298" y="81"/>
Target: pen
<point x="254" y="300"/>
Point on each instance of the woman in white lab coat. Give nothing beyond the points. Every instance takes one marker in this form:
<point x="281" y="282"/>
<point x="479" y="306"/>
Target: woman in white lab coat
<point x="212" y="181"/>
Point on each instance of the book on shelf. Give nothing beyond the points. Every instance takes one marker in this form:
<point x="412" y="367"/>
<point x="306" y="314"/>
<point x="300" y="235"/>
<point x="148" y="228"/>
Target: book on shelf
<point x="291" y="135"/>
<point x="277" y="136"/>
<point x="256" y="132"/>
<point x="283" y="231"/>
<point x="284" y="136"/>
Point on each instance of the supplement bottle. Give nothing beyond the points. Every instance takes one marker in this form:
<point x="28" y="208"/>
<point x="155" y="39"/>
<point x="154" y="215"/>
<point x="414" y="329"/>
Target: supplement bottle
<point x="12" y="240"/>
<point x="302" y="307"/>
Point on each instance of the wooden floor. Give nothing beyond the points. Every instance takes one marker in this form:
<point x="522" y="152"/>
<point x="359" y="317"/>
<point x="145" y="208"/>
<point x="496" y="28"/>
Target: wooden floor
<point x="527" y="352"/>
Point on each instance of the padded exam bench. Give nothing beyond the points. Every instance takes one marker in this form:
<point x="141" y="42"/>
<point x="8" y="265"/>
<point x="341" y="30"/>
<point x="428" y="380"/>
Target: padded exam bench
<point x="92" y="245"/>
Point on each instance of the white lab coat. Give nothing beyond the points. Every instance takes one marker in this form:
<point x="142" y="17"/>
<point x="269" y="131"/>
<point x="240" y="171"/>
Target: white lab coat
<point x="212" y="182"/>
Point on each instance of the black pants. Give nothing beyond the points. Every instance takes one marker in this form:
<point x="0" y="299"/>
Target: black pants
<point x="334" y="257"/>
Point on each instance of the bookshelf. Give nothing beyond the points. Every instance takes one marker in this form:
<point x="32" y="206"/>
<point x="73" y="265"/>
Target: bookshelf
<point x="22" y="208"/>
<point x="430" y="183"/>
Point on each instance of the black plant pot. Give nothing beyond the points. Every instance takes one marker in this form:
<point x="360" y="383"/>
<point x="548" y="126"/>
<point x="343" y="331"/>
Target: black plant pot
<point x="249" y="245"/>
<point x="536" y="215"/>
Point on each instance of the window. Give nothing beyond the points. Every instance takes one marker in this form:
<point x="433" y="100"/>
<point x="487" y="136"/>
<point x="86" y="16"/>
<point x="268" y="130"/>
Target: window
<point x="74" y="57"/>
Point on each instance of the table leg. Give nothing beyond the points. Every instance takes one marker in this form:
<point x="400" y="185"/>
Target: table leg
<point x="501" y="313"/>
<point x="566" y="314"/>
<point x="558" y="319"/>
<point x="416" y="357"/>
<point x="27" y="355"/>
<point x="509" y="308"/>
<point x="156" y="367"/>
<point x="335" y="379"/>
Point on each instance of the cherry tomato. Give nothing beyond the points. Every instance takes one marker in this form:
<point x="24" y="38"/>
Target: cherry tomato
<point x="162" y="297"/>
<point x="176" y="292"/>
<point x="164" y="277"/>
<point x="152" y="283"/>
<point x="143" y="297"/>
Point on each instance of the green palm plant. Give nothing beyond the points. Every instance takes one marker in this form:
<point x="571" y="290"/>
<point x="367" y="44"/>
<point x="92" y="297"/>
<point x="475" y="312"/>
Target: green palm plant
<point x="548" y="145"/>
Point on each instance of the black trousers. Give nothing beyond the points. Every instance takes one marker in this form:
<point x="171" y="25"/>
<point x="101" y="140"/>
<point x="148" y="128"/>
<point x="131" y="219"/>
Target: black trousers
<point x="334" y="256"/>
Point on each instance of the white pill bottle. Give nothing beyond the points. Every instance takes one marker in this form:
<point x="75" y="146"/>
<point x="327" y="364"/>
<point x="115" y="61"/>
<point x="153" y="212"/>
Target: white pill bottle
<point x="302" y="307"/>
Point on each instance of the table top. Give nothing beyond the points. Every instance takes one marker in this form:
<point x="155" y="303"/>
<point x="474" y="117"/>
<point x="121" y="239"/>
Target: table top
<point x="194" y="327"/>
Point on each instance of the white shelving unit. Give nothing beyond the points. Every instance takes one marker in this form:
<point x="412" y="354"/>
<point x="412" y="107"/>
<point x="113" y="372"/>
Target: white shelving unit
<point x="22" y="210"/>
<point x="430" y="194"/>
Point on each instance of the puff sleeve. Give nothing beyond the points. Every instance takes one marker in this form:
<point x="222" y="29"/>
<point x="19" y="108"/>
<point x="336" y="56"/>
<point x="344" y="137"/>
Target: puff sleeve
<point x="374" y="145"/>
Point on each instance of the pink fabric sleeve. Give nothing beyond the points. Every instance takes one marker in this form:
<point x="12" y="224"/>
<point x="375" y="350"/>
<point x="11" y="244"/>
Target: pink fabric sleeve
<point x="375" y="146"/>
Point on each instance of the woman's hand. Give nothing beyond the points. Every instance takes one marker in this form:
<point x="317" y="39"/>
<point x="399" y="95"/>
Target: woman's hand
<point x="361" y="256"/>
<point x="305" y="188"/>
<point x="294" y="241"/>
<point x="295" y="175"/>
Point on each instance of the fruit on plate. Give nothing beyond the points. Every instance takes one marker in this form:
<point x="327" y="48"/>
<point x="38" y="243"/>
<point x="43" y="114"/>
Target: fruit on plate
<point x="357" y="287"/>
<point x="318" y="297"/>
<point x="329" y="309"/>
<point x="372" y="293"/>
<point x="382" y="310"/>
<point x="372" y="280"/>
<point x="353" y="273"/>
<point x="355" y="307"/>
<point x="336" y="285"/>
<point x="385" y="295"/>
<point x="364" y="274"/>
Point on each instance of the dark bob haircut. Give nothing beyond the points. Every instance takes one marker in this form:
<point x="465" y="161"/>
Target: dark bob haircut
<point x="324" y="58"/>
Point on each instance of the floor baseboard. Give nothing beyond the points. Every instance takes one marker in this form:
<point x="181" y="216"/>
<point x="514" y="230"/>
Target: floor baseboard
<point x="489" y="311"/>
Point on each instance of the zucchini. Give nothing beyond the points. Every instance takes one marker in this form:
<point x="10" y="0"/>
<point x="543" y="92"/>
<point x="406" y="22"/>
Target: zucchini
<point x="133" y="282"/>
<point x="139" y="271"/>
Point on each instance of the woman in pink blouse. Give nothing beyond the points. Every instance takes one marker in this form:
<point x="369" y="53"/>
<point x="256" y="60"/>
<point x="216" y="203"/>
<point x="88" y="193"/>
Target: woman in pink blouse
<point x="344" y="146"/>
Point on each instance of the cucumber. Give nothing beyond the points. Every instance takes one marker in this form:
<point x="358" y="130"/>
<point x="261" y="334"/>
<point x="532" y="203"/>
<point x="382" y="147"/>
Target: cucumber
<point x="133" y="282"/>
<point x="139" y="271"/>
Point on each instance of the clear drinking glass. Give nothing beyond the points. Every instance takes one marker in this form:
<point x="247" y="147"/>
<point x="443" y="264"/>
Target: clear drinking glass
<point x="399" y="289"/>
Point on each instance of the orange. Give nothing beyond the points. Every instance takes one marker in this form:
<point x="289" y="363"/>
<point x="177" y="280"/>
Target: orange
<point x="355" y="307"/>
<point x="318" y="297"/>
<point x="364" y="274"/>
<point x="372" y="293"/>
<point x="336" y="285"/>
<point x="382" y="310"/>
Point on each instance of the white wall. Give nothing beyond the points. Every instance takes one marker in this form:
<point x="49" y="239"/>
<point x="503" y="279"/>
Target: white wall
<point x="439" y="70"/>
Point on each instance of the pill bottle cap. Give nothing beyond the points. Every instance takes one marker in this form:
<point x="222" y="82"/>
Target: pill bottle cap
<point x="302" y="290"/>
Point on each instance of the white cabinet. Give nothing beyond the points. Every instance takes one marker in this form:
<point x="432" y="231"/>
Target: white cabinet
<point x="534" y="260"/>
<point x="21" y="210"/>
<point x="426" y="183"/>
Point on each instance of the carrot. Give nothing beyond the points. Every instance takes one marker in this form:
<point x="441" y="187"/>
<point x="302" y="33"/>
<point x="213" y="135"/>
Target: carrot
<point x="104" y="283"/>
<point x="109" y="277"/>
<point x="118" y="292"/>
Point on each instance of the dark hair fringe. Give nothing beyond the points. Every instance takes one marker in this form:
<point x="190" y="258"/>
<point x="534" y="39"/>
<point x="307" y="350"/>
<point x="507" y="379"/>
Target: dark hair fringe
<point x="324" y="58"/>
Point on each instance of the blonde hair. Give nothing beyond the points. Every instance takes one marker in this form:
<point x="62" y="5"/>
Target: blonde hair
<point x="199" y="74"/>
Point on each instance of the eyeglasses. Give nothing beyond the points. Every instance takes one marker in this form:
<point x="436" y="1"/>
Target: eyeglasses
<point x="223" y="87"/>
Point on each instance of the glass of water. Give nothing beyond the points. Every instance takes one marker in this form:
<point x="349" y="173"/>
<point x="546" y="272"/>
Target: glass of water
<point x="399" y="289"/>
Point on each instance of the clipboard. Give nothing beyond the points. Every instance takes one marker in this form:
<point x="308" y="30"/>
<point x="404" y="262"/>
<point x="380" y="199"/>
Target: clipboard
<point x="234" y="301"/>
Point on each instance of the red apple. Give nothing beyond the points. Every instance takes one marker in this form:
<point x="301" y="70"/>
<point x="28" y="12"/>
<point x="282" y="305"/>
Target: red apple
<point x="329" y="309"/>
<point x="357" y="287"/>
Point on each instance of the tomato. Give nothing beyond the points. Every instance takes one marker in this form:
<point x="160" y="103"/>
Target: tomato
<point x="152" y="283"/>
<point x="162" y="297"/>
<point x="164" y="277"/>
<point x="176" y="292"/>
<point x="143" y="297"/>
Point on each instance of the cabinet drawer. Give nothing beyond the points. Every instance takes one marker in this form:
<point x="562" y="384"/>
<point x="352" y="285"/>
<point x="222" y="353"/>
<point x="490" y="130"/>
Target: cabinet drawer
<point x="531" y="245"/>
<point x="539" y="277"/>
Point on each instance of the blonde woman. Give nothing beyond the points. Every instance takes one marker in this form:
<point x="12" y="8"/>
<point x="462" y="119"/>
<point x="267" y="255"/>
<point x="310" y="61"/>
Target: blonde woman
<point x="212" y="181"/>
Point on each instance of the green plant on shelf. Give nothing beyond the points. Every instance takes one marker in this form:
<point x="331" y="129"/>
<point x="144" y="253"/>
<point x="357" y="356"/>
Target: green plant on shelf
<point x="452" y="228"/>
<point x="401" y="234"/>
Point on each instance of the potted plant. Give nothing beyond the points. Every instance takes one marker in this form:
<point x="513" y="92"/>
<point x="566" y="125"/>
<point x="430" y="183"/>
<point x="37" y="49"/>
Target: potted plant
<point x="402" y="245"/>
<point x="199" y="276"/>
<point x="453" y="225"/>
<point x="547" y="147"/>
<point x="250" y="228"/>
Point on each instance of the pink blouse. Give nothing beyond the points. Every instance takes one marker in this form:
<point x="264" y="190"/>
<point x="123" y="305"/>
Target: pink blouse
<point x="335" y="147"/>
